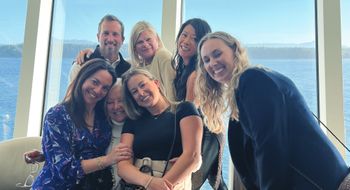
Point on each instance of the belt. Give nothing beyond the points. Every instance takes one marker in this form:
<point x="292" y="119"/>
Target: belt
<point x="158" y="168"/>
<point x="156" y="165"/>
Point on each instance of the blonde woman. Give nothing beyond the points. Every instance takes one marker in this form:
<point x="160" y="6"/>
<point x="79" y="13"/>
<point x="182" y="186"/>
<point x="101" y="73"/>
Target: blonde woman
<point x="147" y="51"/>
<point x="116" y="116"/>
<point x="152" y="125"/>
<point x="274" y="140"/>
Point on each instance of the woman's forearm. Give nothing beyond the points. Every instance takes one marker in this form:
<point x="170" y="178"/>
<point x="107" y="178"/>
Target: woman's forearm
<point x="131" y="174"/>
<point x="95" y="164"/>
<point x="185" y="165"/>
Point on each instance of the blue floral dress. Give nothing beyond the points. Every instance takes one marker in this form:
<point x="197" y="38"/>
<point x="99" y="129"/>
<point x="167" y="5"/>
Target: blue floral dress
<point x="65" y="145"/>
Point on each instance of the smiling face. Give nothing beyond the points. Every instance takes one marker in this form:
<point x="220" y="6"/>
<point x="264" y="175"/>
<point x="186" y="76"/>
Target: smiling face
<point x="96" y="87"/>
<point x="187" y="44"/>
<point x="145" y="91"/>
<point x="114" y="103"/>
<point x="146" y="45"/>
<point x="218" y="60"/>
<point x="110" y="38"/>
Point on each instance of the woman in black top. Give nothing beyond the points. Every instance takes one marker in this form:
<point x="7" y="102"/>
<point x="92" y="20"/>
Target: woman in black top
<point x="185" y="61"/>
<point x="150" y="132"/>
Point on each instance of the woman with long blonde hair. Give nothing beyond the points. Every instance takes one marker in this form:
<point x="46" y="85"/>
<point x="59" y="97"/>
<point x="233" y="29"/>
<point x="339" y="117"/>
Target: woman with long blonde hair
<point x="274" y="140"/>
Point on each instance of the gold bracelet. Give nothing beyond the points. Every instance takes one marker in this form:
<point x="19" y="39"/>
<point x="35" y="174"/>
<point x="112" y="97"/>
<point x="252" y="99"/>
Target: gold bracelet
<point x="148" y="182"/>
<point x="100" y="164"/>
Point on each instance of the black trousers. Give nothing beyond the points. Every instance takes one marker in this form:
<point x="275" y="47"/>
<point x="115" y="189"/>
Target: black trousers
<point x="210" y="163"/>
<point x="99" y="180"/>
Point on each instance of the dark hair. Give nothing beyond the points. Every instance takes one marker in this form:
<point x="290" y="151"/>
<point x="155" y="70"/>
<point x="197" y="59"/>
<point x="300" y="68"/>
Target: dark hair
<point x="201" y="28"/>
<point x="110" y="18"/>
<point x="74" y="101"/>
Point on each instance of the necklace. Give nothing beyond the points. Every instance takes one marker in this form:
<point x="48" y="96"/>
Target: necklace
<point x="159" y="115"/>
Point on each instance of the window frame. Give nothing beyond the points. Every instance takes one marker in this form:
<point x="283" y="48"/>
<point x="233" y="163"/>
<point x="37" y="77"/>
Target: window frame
<point x="31" y="92"/>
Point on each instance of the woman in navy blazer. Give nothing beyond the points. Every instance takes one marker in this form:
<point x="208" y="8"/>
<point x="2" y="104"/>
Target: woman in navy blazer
<point x="275" y="142"/>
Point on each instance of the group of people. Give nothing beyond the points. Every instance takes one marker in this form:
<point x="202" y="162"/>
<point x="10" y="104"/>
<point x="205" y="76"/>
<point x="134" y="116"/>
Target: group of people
<point x="149" y="104"/>
<point x="166" y="112"/>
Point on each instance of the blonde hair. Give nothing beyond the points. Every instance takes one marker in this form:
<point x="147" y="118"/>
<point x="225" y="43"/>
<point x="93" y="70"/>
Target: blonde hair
<point x="117" y="84"/>
<point x="213" y="95"/>
<point x="132" y="109"/>
<point x="136" y="31"/>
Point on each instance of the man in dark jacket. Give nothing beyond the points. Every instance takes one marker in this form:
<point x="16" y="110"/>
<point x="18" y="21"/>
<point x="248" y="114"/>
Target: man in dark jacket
<point x="110" y="37"/>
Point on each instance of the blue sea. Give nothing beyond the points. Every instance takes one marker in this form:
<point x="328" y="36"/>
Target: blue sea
<point x="301" y="71"/>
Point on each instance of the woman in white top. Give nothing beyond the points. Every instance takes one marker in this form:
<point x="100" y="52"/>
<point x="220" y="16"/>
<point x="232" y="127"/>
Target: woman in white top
<point x="116" y="116"/>
<point x="147" y="50"/>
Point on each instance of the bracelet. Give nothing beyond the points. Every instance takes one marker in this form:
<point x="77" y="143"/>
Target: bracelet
<point x="100" y="164"/>
<point x="148" y="182"/>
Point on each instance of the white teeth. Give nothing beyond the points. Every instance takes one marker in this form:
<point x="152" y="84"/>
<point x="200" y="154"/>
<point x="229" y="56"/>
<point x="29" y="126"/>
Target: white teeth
<point x="93" y="95"/>
<point x="185" y="48"/>
<point x="118" y="112"/>
<point x="218" y="70"/>
<point x="145" y="98"/>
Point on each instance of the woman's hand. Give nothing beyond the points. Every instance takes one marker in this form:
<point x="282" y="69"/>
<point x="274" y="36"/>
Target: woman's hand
<point x="81" y="55"/>
<point x="33" y="156"/>
<point x="119" y="152"/>
<point x="160" y="184"/>
<point x="123" y="152"/>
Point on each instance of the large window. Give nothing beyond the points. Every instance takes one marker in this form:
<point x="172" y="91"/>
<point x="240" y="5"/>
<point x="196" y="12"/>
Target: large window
<point x="278" y="34"/>
<point x="345" y="23"/>
<point x="12" y="23"/>
<point x="75" y="25"/>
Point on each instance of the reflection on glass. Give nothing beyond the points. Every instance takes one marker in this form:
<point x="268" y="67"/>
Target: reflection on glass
<point x="75" y="27"/>
<point x="11" y="43"/>
<point x="345" y="31"/>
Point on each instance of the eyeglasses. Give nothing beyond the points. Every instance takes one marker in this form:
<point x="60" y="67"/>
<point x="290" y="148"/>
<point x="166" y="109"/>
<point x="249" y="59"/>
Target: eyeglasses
<point x="30" y="179"/>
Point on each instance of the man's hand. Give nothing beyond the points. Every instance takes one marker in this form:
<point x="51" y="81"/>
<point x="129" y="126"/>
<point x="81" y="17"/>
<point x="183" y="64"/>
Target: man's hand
<point x="80" y="59"/>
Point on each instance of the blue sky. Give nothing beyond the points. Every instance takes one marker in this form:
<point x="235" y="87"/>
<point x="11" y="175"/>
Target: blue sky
<point x="256" y="21"/>
<point x="251" y="21"/>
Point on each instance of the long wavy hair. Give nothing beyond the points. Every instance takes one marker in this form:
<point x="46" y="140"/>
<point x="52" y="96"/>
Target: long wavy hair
<point x="183" y="71"/>
<point x="74" y="100"/>
<point x="132" y="109"/>
<point x="136" y="31"/>
<point x="216" y="97"/>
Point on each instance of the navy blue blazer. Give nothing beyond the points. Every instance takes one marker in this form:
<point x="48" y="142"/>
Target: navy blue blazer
<point x="278" y="144"/>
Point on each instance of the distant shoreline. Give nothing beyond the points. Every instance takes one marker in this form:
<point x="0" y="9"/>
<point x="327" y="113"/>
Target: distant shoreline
<point x="261" y="52"/>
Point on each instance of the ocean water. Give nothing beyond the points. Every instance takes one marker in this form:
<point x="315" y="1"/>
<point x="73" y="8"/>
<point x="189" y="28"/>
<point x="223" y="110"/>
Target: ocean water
<point x="301" y="71"/>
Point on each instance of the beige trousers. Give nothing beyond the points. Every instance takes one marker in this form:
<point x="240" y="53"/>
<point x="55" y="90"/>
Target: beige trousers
<point x="158" y="168"/>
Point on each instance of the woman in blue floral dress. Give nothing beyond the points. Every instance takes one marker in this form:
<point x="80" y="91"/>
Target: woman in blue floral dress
<point x="76" y="134"/>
